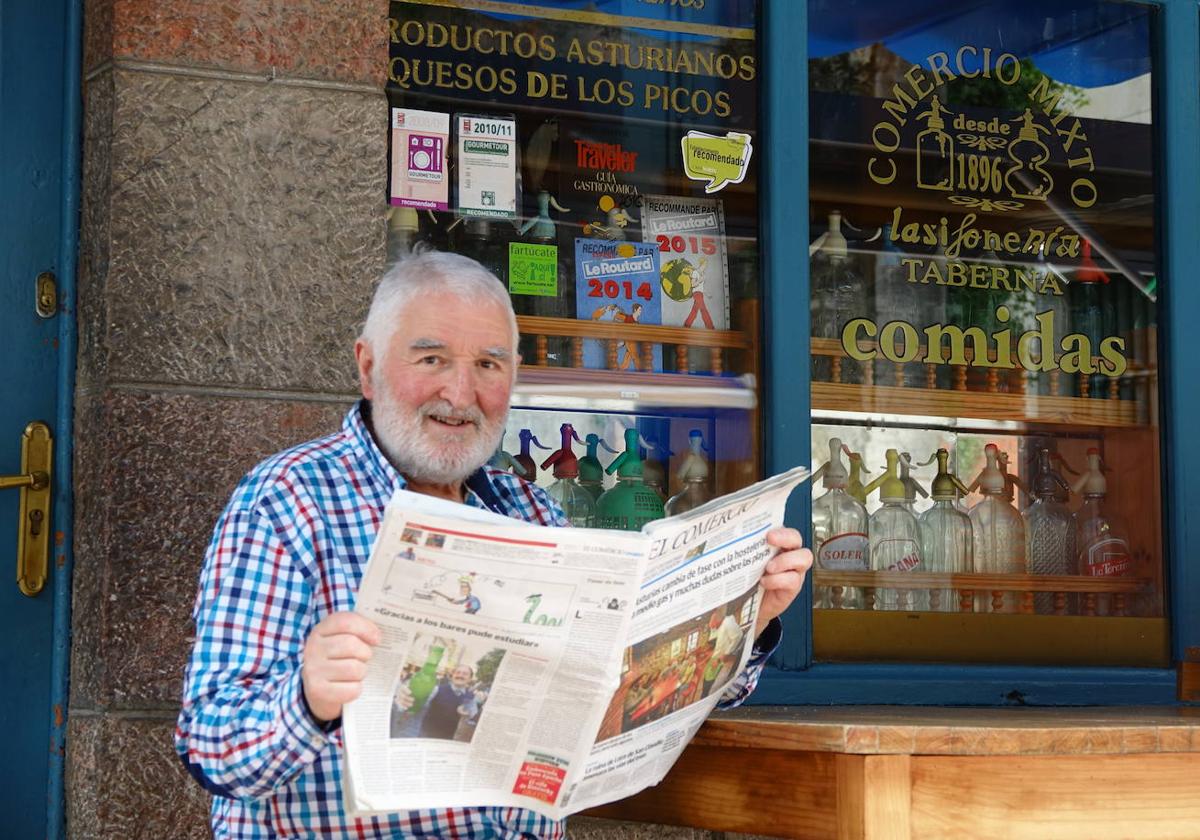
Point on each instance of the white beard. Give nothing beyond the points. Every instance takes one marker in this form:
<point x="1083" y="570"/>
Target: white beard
<point x="422" y="455"/>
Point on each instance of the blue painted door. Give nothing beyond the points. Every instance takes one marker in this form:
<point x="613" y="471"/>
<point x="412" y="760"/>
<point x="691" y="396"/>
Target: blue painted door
<point x="34" y="102"/>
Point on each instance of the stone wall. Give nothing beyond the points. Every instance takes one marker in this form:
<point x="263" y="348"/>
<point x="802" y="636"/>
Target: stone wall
<point x="233" y="198"/>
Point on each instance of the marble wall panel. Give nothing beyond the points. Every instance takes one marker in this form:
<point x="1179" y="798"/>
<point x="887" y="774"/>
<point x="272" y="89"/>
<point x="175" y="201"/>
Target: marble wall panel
<point x="247" y="231"/>
<point x="336" y="40"/>
<point x="125" y="781"/>
<point x="166" y="469"/>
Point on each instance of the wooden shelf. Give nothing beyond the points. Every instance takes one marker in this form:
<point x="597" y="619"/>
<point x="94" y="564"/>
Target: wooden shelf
<point x="1022" y="408"/>
<point x="617" y="390"/>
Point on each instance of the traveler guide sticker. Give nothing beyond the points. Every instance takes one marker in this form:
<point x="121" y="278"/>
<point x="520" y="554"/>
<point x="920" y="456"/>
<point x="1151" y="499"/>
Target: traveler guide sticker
<point x="720" y="160"/>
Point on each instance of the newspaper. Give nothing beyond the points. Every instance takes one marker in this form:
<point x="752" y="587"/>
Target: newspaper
<point x="553" y="669"/>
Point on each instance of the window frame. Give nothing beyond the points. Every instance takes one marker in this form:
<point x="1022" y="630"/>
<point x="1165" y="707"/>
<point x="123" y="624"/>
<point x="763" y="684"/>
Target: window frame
<point x="795" y="679"/>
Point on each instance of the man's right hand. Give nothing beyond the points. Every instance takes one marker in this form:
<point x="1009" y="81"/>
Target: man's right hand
<point x="335" y="661"/>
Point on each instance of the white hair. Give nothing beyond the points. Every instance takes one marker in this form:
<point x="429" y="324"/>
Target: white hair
<point x="428" y="272"/>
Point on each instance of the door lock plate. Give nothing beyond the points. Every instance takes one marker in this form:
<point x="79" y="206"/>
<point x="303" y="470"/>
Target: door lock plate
<point x="33" y="523"/>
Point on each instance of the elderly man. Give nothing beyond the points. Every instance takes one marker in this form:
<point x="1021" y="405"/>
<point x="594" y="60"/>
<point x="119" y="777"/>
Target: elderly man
<point x="278" y="650"/>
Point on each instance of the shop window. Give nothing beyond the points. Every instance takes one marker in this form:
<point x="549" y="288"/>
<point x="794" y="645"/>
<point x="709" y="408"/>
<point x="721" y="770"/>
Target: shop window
<point x="985" y="276"/>
<point x="599" y="159"/>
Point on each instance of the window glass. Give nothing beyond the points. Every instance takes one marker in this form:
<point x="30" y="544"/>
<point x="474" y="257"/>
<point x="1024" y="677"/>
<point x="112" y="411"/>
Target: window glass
<point x="598" y="157"/>
<point x="984" y="355"/>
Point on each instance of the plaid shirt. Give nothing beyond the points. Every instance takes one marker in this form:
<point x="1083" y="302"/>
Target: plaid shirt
<point x="290" y="549"/>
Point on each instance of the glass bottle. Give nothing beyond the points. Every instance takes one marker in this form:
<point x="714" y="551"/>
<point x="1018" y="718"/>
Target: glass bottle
<point x="542" y="230"/>
<point x="998" y="530"/>
<point x="524" y="459"/>
<point x="1101" y="542"/>
<point x="480" y="242"/>
<point x="402" y="233"/>
<point x="422" y="683"/>
<point x="693" y="476"/>
<point x="1092" y="315"/>
<point x="912" y="487"/>
<point x="947" y="541"/>
<point x="1049" y="530"/>
<point x="895" y="544"/>
<point x="858" y="469"/>
<point x="897" y="300"/>
<point x="591" y="472"/>
<point x="654" y="470"/>
<point x="503" y="460"/>
<point x="840" y="539"/>
<point x="631" y="504"/>
<point x="577" y="503"/>
<point x="837" y="296"/>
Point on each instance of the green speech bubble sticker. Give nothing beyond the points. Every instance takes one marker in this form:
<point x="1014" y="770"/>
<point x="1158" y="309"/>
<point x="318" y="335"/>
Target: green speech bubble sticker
<point x="716" y="159"/>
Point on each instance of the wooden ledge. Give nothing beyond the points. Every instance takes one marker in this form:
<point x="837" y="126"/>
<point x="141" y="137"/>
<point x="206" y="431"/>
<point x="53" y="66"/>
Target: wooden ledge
<point x="878" y="773"/>
<point x="891" y="730"/>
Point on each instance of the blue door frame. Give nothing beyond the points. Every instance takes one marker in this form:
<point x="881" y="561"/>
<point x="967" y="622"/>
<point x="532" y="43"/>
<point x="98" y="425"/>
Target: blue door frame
<point x="40" y="71"/>
<point x="797" y="679"/>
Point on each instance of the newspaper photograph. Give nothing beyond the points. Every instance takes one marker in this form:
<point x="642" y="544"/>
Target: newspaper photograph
<point x="547" y="668"/>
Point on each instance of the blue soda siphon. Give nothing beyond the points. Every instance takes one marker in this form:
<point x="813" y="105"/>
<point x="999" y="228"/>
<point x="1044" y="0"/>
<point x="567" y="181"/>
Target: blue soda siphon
<point x="895" y="544"/>
<point x="577" y="503"/>
<point x="1049" y="529"/>
<point x="947" y="541"/>
<point x="998" y="529"/>
<point x="840" y="530"/>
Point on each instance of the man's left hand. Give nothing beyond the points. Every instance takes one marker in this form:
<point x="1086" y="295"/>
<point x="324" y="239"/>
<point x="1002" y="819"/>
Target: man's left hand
<point x="784" y="574"/>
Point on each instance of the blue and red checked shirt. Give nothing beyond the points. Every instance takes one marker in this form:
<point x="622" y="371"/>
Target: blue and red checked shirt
<point x="290" y="549"/>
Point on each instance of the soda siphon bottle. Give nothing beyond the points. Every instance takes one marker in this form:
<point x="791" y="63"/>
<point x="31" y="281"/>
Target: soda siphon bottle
<point x="693" y="475"/>
<point x="998" y="529"/>
<point x="912" y="487"/>
<point x="631" y="504"/>
<point x="840" y="540"/>
<point x="1092" y="315"/>
<point x="1049" y="529"/>
<point x="947" y="543"/>
<point x="858" y="469"/>
<point x="654" y="467"/>
<point x="577" y="503"/>
<point x="838" y="295"/>
<point x="1101" y="544"/>
<point x="524" y="459"/>
<point x="895" y="544"/>
<point x="895" y="299"/>
<point x="591" y="472"/>
<point x="402" y="233"/>
<point x="422" y="683"/>
<point x="502" y="460"/>
<point x="543" y="231"/>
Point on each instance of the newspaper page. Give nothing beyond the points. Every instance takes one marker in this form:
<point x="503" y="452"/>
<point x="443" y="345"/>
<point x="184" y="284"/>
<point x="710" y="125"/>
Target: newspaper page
<point x="692" y="633"/>
<point x="547" y="668"/>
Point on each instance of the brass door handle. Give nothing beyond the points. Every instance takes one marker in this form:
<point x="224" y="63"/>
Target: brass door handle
<point x="33" y="531"/>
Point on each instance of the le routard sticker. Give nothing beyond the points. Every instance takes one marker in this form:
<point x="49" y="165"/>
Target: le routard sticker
<point x="718" y="159"/>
